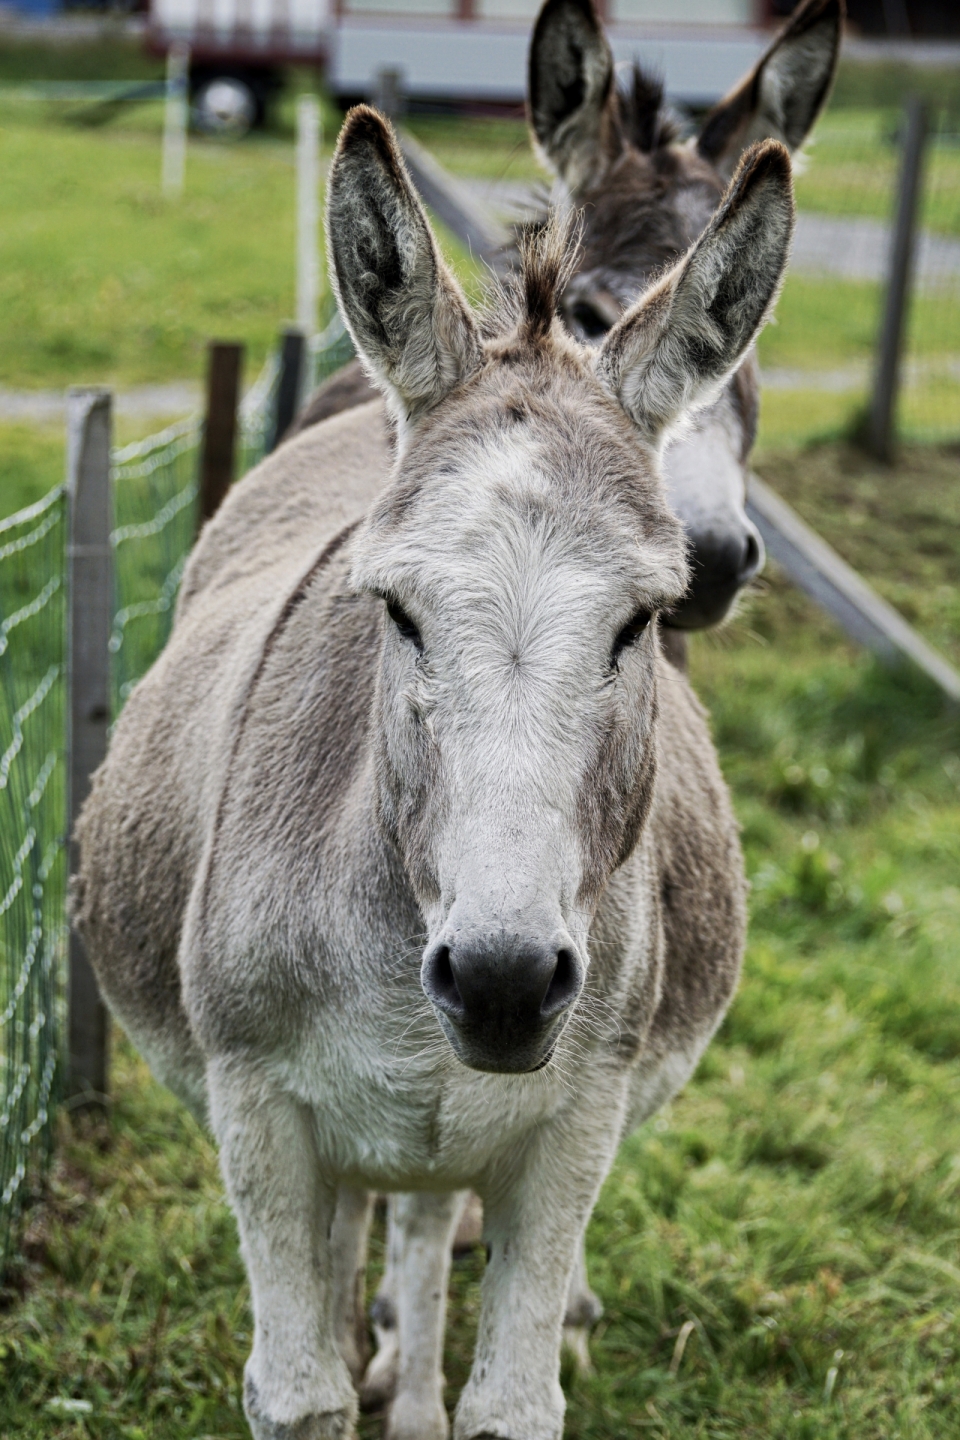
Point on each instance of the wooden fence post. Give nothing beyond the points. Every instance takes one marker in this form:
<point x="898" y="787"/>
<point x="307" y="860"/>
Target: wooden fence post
<point x="288" y="387"/>
<point x="90" y="615"/>
<point x="217" y="459"/>
<point x="880" y="432"/>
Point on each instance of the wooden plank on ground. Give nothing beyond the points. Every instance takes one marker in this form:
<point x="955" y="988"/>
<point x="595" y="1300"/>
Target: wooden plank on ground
<point x="820" y="572"/>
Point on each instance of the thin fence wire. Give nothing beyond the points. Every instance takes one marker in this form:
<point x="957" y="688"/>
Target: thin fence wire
<point x="32" y="834"/>
<point x="328" y="352"/>
<point x="154" y="483"/>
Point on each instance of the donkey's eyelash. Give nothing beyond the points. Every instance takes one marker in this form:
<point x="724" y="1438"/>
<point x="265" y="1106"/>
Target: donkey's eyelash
<point x="403" y="622"/>
<point x="630" y="633"/>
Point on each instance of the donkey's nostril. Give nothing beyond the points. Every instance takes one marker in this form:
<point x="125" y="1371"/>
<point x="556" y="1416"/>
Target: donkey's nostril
<point x="439" y="982"/>
<point x="564" y="985"/>
<point x="752" y="558"/>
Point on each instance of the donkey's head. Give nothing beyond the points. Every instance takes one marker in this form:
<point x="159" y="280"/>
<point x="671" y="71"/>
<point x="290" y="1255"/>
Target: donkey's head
<point x="644" y="199"/>
<point x="522" y="553"/>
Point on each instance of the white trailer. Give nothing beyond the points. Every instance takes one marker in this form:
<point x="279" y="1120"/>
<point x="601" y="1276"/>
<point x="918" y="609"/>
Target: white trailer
<point x="461" y="52"/>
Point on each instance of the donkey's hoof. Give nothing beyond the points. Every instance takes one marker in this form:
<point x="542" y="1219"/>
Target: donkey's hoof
<point x="380" y="1382"/>
<point x="320" y="1425"/>
<point x="412" y="1418"/>
<point x="334" y="1425"/>
<point x="576" y="1342"/>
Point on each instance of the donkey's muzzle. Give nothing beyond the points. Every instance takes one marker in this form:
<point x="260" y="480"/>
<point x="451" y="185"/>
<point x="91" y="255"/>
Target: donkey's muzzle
<point x="720" y="569"/>
<point x="502" y="998"/>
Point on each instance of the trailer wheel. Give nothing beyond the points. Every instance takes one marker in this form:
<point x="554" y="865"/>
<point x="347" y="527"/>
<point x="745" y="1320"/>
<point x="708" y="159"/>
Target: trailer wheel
<point x="226" y="105"/>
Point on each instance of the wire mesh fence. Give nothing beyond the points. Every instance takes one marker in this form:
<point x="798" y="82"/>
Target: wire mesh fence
<point x="155" y="508"/>
<point x="155" y="490"/>
<point x="819" y="361"/>
<point x="32" y="826"/>
<point x="328" y="352"/>
<point x="154" y="485"/>
<point x="258" y="410"/>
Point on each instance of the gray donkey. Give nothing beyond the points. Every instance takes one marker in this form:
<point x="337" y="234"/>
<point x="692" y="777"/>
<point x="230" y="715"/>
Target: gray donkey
<point x="410" y="865"/>
<point x="644" y="197"/>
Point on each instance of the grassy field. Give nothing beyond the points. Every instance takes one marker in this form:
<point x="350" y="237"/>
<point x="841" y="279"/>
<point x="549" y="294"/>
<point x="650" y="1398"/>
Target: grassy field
<point x="102" y="280"/>
<point x="779" y="1253"/>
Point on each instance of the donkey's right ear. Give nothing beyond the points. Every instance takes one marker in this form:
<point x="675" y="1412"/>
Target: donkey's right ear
<point x="674" y="349"/>
<point x="571" y="97"/>
<point x="410" y="321"/>
<point x="784" y="93"/>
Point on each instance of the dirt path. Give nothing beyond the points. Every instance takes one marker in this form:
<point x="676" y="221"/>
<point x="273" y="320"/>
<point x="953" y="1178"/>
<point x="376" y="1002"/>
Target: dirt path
<point x="146" y="402"/>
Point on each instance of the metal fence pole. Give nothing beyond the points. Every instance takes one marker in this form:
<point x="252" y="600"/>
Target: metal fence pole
<point x="90" y="611"/>
<point x="292" y="348"/>
<point x="881" y="419"/>
<point x="175" y="118"/>
<point x="224" y="366"/>
<point x="308" y="212"/>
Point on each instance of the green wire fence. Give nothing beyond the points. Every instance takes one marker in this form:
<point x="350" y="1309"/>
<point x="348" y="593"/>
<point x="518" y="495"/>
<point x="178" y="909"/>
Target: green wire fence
<point x="32" y="860"/>
<point x="155" y="491"/>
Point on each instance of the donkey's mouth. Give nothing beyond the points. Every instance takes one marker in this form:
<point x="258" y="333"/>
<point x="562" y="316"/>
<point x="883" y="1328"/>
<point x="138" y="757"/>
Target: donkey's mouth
<point x="492" y="1056"/>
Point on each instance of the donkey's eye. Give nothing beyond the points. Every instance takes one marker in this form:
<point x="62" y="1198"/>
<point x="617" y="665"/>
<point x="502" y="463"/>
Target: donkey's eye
<point x="404" y="624"/>
<point x="588" y="320"/>
<point x="630" y="633"/>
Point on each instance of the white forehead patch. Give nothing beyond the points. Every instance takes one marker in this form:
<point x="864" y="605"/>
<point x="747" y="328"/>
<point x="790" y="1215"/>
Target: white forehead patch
<point x="499" y="514"/>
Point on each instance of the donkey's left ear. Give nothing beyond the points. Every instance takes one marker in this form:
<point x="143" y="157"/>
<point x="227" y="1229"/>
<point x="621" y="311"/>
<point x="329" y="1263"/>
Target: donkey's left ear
<point x="783" y="95"/>
<point x="571" y="97"/>
<point x="410" y="321"/>
<point x="673" y="351"/>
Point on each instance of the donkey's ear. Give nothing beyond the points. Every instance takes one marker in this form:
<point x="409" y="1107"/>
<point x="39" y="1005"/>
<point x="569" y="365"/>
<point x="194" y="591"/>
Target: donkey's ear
<point x="408" y="317"/>
<point x="676" y="347"/>
<point x="571" y="97"/>
<point x="783" y="95"/>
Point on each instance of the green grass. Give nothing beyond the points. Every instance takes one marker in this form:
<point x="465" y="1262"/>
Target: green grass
<point x="32" y="459"/>
<point x="825" y="325"/>
<point x="852" y="164"/>
<point x="107" y="57"/>
<point x="103" y="280"/>
<point x="899" y="527"/>
<point x="889" y="84"/>
<point x="490" y="149"/>
<point x="778" y="1254"/>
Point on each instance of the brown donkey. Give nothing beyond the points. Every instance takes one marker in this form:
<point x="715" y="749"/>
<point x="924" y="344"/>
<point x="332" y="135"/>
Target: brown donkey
<point x="644" y="197"/>
<point x="378" y="869"/>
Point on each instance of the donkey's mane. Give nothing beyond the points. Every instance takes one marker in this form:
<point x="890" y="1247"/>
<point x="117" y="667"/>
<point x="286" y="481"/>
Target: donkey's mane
<point x="644" y="119"/>
<point x="526" y="299"/>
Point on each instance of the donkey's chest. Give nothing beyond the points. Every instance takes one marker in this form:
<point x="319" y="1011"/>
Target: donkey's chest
<point x="398" y="1117"/>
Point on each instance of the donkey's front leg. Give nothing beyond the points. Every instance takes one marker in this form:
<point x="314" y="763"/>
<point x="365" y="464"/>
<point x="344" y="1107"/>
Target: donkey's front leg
<point x="535" y="1218"/>
<point x="296" y="1385"/>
